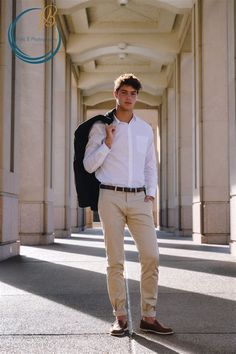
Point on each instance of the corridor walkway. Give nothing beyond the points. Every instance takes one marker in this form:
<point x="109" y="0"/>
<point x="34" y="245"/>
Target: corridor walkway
<point x="53" y="299"/>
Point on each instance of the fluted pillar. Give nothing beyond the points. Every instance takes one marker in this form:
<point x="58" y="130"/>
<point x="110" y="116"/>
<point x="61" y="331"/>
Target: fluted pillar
<point x="34" y="103"/>
<point x="68" y="148"/>
<point x="163" y="164"/>
<point x="9" y="141"/>
<point x="80" y="119"/>
<point x="74" y="119"/>
<point x="232" y="118"/>
<point x="59" y="89"/>
<point x="177" y="150"/>
<point x="170" y="155"/>
<point x="185" y="143"/>
<point x="210" y="124"/>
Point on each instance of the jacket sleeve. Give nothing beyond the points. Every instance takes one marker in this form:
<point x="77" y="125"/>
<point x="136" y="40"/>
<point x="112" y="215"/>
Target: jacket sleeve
<point x="150" y="170"/>
<point x="96" y="150"/>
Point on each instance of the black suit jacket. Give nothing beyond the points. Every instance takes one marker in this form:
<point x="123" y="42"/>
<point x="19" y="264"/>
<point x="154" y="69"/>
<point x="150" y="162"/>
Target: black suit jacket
<point x="87" y="185"/>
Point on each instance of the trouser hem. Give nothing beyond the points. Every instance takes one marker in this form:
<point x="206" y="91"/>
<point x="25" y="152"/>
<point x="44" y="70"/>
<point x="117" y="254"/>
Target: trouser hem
<point x="119" y="313"/>
<point x="148" y="314"/>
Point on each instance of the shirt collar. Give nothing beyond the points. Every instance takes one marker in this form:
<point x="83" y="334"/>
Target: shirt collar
<point x="133" y="119"/>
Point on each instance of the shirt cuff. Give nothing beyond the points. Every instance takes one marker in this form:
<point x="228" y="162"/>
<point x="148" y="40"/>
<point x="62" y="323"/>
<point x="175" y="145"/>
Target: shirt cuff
<point x="104" y="148"/>
<point x="151" y="192"/>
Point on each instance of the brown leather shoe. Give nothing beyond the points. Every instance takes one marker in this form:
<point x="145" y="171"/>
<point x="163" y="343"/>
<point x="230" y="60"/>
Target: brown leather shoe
<point x="118" y="328"/>
<point x="155" y="327"/>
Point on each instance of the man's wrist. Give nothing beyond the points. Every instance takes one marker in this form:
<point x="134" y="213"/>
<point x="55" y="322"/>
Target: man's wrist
<point x="108" y="143"/>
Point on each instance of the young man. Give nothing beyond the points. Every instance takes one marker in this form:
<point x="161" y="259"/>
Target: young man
<point x="123" y="157"/>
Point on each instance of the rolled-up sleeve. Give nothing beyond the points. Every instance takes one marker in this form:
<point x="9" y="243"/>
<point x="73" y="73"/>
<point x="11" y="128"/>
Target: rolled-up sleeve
<point x="96" y="150"/>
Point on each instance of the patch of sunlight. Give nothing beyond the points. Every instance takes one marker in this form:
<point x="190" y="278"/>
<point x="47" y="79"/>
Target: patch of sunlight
<point x="78" y="256"/>
<point x="173" y="280"/>
<point x="11" y="290"/>
<point x="195" y="253"/>
<point x="89" y="237"/>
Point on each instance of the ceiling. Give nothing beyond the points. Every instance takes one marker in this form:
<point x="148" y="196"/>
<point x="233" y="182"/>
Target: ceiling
<point x="106" y="38"/>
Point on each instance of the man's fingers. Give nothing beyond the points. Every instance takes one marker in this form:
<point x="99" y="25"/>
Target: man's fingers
<point x="147" y="198"/>
<point x="110" y="128"/>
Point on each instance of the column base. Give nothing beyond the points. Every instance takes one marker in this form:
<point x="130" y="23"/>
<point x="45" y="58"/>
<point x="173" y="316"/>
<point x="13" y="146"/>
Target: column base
<point x="96" y="224"/>
<point x="183" y="233"/>
<point x="36" y="239"/>
<point x="176" y="232"/>
<point x="9" y="250"/>
<point x="76" y="230"/>
<point x="221" y="239"/>
<point x="167" y="229"/>
<point x="62" y="233"/>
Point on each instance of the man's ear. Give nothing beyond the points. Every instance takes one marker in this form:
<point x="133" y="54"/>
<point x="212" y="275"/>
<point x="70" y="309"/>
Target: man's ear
<point x="115" y="94"/>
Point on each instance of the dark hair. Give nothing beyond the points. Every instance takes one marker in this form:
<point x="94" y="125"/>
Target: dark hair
<point x="127" y="79"/>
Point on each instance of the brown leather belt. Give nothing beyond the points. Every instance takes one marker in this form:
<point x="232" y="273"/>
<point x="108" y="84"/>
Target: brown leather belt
<point x="122" y="189"/>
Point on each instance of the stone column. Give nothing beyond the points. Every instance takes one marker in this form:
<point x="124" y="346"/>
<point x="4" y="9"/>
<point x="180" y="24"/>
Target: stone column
<point x="158" y="145"/>
<point x="74" y="121"/>
<point x="232" y="118"/>
<point x="34" y="111"/>
<point x="80" y="119"/>
<point x="185" y="143"/>
<point x="176" y="160"/>
<point x="170" y="158"/>
<point x="210" y="123"/>
<point x="59" y="112"/>
<point x="178" y="147"/>
<point x="49" y="139"/>
<point x="68" y="148"/>
<point x="163" y="164"/>
<point x="156" y="202"/>
<point x="9" y="141"/>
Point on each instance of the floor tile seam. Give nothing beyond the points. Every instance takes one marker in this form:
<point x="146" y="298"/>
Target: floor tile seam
<point x="132" y="347"/>
<point x="189" y="259"/>
<point x="55" y="295"/>
<point x="52" y="334"/>
<point x="183" y="292"/>
<point x="188" y="291"/>
<point x="59" y="262"/>
<point x="193" y="261"/>
<point x="184" y="333"/>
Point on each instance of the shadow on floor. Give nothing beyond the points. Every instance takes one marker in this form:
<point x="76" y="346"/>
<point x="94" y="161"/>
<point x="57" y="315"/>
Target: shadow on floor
<point x="225" y="268"/>
<point x="84" y="290"/>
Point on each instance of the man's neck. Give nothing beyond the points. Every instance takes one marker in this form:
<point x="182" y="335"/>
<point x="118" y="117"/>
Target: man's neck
<point x="123" y="116"/>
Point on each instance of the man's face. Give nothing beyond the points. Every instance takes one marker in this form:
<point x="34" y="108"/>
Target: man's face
<point x="126" y="97"/>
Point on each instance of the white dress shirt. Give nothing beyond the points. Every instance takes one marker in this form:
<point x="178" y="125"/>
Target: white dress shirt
<point x="131" y="161"/>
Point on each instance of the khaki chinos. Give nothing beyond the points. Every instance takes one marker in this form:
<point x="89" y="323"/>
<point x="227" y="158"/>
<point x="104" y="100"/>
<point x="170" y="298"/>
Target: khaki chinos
<point x="117" y="208"/>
